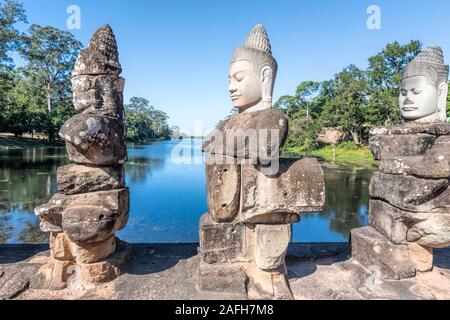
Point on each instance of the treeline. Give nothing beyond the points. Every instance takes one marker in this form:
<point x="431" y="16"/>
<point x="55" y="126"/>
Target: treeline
<point x="354" y="101"/>
<point x="36" y="98"/>
<point x="145" y="123"/>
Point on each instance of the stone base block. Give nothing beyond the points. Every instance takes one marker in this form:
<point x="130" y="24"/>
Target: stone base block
<point x="267" y="284"/>
<point x="410" y="193"/>
<point x="58" y="275"/>
<point x="92" y="274"/>
<point x="391" y="146"/>
<point x="61" y="248"/>
<point x="54" y="275"/>
<point x="223" y="278"/>
<point x="422" y="257"/>
<point x="370" y="248"/>
<point x="93" y="252"/>
<point x="77" y="179"/>
<point x="389" y="221"/>
<point x="272" y="242"/>
<point x="222" y="242"/>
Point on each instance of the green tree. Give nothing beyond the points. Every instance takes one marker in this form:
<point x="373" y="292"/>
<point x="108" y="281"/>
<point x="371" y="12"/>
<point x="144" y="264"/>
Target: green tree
<point x="159" y="124"/>
<point x="346" y="107"/>
<point x="176" y="133"/>
<point x="384" y="75"/>
<point x="138" y="121"/>
<point x="144" y="122"/>
<point x="302" y="110"/>
<point x="355" y="100"/>
<point x="50" y="56"/>
<point x="11" y="13"/>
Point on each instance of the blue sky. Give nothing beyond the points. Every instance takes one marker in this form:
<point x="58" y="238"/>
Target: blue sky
<point x="176" y="53"/>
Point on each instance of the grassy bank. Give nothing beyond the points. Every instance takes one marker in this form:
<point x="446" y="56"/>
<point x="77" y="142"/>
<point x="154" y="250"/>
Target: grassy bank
<point x="14" y="143"/>
<point x="345" y="152"/>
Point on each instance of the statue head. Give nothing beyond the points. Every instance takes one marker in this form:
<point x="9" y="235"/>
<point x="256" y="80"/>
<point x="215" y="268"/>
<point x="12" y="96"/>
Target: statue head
<point x="252" y="72"/>
<point x="424" y="87"/>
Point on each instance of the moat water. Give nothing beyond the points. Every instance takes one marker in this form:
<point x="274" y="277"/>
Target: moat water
<point x="167" y="197"/>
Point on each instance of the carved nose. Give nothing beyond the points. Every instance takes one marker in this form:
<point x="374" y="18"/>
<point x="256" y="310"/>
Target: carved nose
<point x="408" y="101"/>
<point x="232" y="88"/>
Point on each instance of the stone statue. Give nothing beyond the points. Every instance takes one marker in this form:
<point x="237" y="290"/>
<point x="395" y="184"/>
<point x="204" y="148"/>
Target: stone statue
<point x="252" y="73"/>
<point x="253" y="195"/>
<point x="93" y="202"/>
<point x="409" y="213"/>
<point x="424" y="88"/>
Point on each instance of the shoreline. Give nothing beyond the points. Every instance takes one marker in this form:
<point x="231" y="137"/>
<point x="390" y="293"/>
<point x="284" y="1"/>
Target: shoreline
<point x="343" y="154"/>
<point x="11" y="143"/>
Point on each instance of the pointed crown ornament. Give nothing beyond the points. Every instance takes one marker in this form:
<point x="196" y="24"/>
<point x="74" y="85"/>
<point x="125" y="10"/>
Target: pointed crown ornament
<point x="257" y="50"/>
<point x="430" y="64"/>
<point x="101" y="56"/>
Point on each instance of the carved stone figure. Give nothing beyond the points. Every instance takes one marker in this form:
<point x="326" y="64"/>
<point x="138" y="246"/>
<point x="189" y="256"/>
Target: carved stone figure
<point x="410" y="207"/>
<point x="424" y="88"/>
<point x="93" y="202"/>
<point x="253" y="195"/>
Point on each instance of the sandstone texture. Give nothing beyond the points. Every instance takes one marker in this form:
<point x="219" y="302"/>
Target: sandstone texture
<point x="409" y="213"/>
<point x="93" y="201"/>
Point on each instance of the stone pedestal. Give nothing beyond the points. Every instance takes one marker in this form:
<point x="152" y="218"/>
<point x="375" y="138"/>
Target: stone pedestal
<point x="253" y="195"/>
<point x="248" y="252"/>
<point x="410" y="204"/>
<point x="93" y="201"/>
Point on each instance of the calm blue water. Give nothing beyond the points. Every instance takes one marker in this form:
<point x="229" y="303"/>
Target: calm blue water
<point x="167" y="198"/>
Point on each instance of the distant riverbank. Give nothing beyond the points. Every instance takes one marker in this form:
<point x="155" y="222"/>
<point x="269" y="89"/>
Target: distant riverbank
<point x="13" y="143"/>
<point x="344" y="153"/>
<point x="10" y="142"/>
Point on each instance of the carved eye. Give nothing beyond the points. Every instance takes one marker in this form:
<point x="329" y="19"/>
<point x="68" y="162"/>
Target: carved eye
<point x="417" y="91"/>
<point x="239" y="76"/>
<point x="404" y="93"/>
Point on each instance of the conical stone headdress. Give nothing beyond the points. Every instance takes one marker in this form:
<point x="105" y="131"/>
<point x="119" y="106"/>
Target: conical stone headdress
<point x="257" y="50"/>
<point x="430" y="64"/>
<point x="101" y="56"/>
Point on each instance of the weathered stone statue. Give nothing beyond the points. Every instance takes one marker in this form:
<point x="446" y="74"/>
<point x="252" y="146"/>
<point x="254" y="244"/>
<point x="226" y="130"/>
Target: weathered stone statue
<point x="93" y="202"/>
<point x="409" y="212"/>
<point x="424" y="88"/>
<point x="253" y="195"/>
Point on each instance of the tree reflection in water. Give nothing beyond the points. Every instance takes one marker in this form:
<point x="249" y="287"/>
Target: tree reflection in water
<point x="347" y="198"/>
<point x="27" y="179"/>
<point x="346" y="207"/>
<point x="139" y="169"/>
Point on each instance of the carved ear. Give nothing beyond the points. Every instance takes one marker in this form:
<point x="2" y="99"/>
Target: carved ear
<point x="267" y="75"/>
<point x="267" y="86"/>
<point x="442" y="101"/>
<point x="443" y="89"/>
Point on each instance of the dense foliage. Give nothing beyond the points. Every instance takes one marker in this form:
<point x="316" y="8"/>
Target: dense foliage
<point x="354" y="101"/>
<point x="145" y="123"/>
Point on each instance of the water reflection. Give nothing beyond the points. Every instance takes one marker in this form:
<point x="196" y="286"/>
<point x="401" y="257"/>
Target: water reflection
<point x="140" y="169"/>
<point x="346" y="208"/>
<point x="27" y="179"/>
<point x="167" y="199"/>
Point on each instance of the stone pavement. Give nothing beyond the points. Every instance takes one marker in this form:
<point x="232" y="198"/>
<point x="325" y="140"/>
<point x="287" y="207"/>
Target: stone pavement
<point x="163" y="272"/>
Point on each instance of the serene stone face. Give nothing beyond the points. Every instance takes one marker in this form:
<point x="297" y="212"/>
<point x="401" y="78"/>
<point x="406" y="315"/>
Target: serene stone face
<point x="245" y="85"/>
<point x="419" y="98"/>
